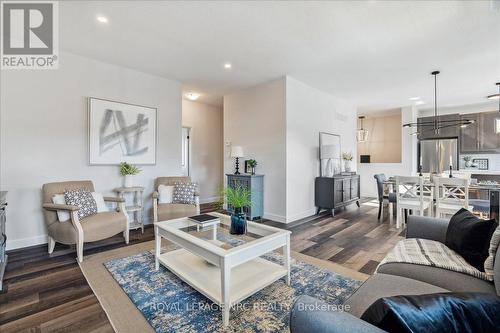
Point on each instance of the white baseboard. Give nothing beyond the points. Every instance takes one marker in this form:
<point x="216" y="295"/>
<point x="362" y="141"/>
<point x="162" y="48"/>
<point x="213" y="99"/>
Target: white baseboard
<point x="302" y="215"/>
<point x="209" y="200"/>
<point x="274" y="217"/>
<point x="25" y="242"/>
<point x="288" y="219"/>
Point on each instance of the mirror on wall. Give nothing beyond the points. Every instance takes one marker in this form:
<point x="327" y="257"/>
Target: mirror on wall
<point x="330" y="153"/>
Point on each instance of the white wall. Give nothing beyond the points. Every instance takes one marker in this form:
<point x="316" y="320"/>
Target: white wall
<point x="408" y="163"/>
<point x="44" y="134"/>
<point x="255" y="119"/>
<point x="206" y="137"/>
<point x="278" y="124"/>
<point x="308" y="112"/>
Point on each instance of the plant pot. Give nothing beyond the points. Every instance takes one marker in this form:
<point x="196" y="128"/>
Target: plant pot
<point x="253" y="170"/>
<point x="238" y="222"/>
<point x="128" y="181"/>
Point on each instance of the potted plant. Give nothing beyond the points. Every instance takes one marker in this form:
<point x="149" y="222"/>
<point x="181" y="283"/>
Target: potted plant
<point x="128" y="171"/>
<point x="347" y="157"/>
<point x="252" y="164"/>
<point x="237" y="198"/>
<point x="468" y="161"/>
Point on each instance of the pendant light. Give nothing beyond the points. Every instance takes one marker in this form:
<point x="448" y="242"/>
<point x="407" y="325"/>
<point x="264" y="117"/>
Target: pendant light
<point x="436" y="124"/>
<point x="497" y="120"/>
<point x="361" y="134"/>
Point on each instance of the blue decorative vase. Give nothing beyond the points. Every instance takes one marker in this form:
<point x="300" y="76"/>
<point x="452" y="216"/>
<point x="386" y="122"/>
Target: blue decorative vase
<point x="238" y="222"/>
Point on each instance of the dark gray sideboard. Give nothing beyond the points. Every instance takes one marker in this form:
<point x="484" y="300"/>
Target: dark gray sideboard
<point x="336" y="192"/>
<point x="3" y="236"/>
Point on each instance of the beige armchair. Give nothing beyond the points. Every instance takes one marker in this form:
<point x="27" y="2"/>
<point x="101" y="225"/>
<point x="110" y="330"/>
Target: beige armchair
<point x="92" y="228"/>
<point x="168" y="211"/>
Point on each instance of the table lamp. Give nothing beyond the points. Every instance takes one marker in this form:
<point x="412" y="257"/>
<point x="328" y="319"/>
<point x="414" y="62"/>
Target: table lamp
<point x="237" y="152"/>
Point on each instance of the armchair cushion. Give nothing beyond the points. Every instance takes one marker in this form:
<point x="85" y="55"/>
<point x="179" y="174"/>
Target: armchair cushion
<point x="174" y="211"/>
<point x="99" y="200"/>
<point x="184" y="193"/>
<point x="83" y="199"/>
<point x="62" y="214"/>
<point x="103" y="225"/>
<point x="166" y="194"/>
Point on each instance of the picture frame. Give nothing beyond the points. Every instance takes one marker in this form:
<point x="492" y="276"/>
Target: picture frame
<point x="330" y="154"/>
<point x="121" y="132"/>
<point x="248" y="168"/>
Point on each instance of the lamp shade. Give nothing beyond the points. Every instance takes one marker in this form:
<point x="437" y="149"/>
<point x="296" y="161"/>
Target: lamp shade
<point x="237" y="151"/>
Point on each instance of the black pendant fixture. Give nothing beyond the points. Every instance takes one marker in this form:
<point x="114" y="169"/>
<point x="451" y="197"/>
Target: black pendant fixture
<point x="436" y="124"/>
<point x="497" y="120"/>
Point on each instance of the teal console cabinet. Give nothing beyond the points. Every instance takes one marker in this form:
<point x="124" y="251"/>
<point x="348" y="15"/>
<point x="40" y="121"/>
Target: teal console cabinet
<point x="255" y="184"/>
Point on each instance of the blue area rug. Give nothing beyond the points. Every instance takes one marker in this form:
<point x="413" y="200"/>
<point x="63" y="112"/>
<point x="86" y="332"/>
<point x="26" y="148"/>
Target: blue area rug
<point x="170" y="305"/>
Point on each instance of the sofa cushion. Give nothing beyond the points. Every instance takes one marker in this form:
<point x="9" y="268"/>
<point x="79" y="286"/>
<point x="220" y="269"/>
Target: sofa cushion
<point x="436" y="313"/>
<point x="174" y="211"/>
<point x="440" y="277"/>
<point x="470" y="237"/>
<point x="103" y="225"/>
<point x="383" y="285"/>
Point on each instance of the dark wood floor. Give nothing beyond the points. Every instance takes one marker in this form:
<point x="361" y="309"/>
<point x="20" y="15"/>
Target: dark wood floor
<point x="49" y="293"/>
<point x="354" y="238"/>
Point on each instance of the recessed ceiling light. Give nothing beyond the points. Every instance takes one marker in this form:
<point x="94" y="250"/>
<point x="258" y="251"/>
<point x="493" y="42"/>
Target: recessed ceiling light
<point x="102" y="19"/>
<point x="416" y="98"/>
<point x="228" y="65"/>
<point x="192" y="96"/>
<point x="419" y="103"/>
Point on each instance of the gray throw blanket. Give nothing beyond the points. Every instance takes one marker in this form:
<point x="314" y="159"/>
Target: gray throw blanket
<point x="431" y="253"/>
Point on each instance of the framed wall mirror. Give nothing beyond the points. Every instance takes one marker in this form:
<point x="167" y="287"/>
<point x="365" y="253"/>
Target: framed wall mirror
<point x="330" y="154"/>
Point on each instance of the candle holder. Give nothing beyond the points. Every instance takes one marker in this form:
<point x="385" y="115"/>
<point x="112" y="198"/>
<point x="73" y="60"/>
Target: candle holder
<point x="451" y="171"/>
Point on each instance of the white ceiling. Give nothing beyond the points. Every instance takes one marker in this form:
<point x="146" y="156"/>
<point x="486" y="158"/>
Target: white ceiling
<point x="377" y="53"/>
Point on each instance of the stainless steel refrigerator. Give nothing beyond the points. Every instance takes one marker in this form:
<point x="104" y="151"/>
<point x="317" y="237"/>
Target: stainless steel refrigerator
<point x="436" y="155"/>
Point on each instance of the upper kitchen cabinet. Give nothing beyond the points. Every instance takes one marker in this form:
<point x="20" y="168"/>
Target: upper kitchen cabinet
<point x="426" y="127"/>
<point x="480" y="137"/>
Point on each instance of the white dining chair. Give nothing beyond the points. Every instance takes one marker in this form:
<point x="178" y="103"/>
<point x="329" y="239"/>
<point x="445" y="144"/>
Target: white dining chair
<point x="452" y="194"/>
<point x="414" y="195"/>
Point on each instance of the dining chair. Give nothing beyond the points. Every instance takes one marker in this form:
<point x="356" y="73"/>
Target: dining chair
<point x="414" y="195"/>
<point x="451" y="195"/>
<point x="390" y="198"/>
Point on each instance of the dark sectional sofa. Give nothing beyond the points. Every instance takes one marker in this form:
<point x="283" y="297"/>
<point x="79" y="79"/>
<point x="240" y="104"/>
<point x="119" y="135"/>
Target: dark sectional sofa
<point x="391" y="279"/>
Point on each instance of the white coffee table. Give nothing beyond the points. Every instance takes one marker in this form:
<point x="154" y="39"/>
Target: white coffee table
<point x="234" y="274"/>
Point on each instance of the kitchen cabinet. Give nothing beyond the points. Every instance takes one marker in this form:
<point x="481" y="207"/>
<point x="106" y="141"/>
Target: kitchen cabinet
<point x="480" y="137"/>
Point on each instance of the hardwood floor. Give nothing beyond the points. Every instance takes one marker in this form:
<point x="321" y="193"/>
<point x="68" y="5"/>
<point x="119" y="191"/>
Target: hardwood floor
<point x="354" y="238"/>
<point x="47" y="293"/>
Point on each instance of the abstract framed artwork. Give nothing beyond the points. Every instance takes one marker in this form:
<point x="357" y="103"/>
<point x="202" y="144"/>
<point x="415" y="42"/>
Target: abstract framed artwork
<point x="121" y="132"/>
